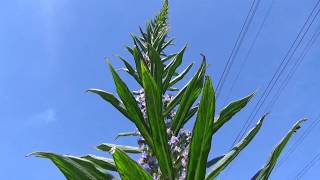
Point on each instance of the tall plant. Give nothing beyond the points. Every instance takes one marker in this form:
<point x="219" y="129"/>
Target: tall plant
<point x="167" y="150"/>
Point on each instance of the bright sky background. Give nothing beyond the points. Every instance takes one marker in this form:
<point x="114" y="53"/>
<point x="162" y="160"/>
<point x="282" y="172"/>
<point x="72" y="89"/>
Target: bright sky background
<point x="51" y="51"/>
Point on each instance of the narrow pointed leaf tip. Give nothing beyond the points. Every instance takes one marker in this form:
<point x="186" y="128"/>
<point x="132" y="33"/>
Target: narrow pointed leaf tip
<point x="188" y="96"/>
<point x="230" y="110"/>
<point x="220" y="164"/>
<point x="265" y="172"/>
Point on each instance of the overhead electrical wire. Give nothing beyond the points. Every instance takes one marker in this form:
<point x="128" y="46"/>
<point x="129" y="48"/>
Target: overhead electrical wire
<point x="293" y="70"/>
<point x="279" y="71"/>
<point x="237" y="45"/>
<point x="233" y="83"/>
<point x="298" y="143"/>
<point x="308" y="166"/>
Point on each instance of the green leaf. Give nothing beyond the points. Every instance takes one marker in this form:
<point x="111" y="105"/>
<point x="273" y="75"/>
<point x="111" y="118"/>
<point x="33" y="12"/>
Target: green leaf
<point x="172" y="67"/>
<point x="214" y="161"/>
<point x="180" y="76"/>
<point x="222" y="163"/>
<point x="128" y="149"/>
<point x="76" y="168"/>
<point x="103" y="162"/>
<point x="167" y="58"/>
<point x="156" y="65"/>
<point x="190" y="95"/>
<point x="130" y="70"/>
<point x="123" y="134"/>
<point x="112" y="100"/>
<point x="202" y="134"/>
<point x="264" y="173"/>
<point x="156" y="120"/>
<point x="230" y="110"/>
<point x="131" y="105"/>
<point x="127" y="167"/>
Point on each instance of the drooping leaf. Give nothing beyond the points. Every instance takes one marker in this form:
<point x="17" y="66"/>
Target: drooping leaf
<point x="172" y="67"/>
<point x="264" y="173"/>
<point x="180" y="76"/>
<point x="76" y="168"/>
<point x="202" y="134"/>
<point x="131" y="105"/>
<point x="128" y="149"/>
<point x="230" y="110"/>
<point x="127" y="167"/>
<point x="103" y="162"/>
<point x="222" y="163"/>
<point x="154" y="105"/>
<point x="189" y="97"/>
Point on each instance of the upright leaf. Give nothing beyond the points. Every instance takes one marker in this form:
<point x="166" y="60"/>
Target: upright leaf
<point x="76" y="168"/>
<point x="223" y="162"/>
<point x="264" y="173"/>
<point x="202" y="134"/>
<point x="230" y="110"/>
<point x="172" y="67"/>
<point x="127" y="167"/>
<point x="154" y="105"/>
<point x="190" y="95"/>
<point x="180" y="76"/>
<point x="131" y="106"/>
<point x="156" y="65"/>
<point x="130" y="70"/>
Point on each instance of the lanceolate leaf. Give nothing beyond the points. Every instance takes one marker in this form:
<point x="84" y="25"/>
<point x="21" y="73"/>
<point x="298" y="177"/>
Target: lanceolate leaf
<point x="123" y="134"/>
<point x="130" y="70"/>
<point x="76" y="168"/>
<point x="172" y="67"/>
<point x="202" y="134"/>
<point x="131" y="105"/>
<point x="222" y="163"/>
<point x="264" y="173"/>
<point x="103" y="162"/>
<point x="180" y="76"/>
<point x="156" y="65"/>
<point x="127" y="167"/>
<point x="153" y="97"/>
<point x="128" y="149"/>
<point x="230" y="110"/>
<point x="112" y="100"/>
<point x="189" y="97"/>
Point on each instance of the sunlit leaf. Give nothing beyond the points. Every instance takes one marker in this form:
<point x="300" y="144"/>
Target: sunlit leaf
<point x="153" y="97"/>
<point x="222" y="163"/>
<point x="264" y="173"/>
<point x="202" y="134"/>
<point x="128" y="149"/>
<point x="127" y="167"/>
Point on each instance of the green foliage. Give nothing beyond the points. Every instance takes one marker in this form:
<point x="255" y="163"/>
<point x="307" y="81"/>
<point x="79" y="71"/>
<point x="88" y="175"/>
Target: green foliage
<point x="157" y="73"/>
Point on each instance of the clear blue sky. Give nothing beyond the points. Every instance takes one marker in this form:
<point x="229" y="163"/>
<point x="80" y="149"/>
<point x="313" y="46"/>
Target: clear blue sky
<point x="51" y="51"/>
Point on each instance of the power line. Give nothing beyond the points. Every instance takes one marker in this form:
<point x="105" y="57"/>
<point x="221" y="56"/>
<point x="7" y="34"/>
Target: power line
<point x="233" y="83"/>
<point x="279" y="71"/>
<point x="298" y="143"/>
<point x="237" y="45"/>
<point x="289" y="76"/>
<point x="308" y="166"/>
